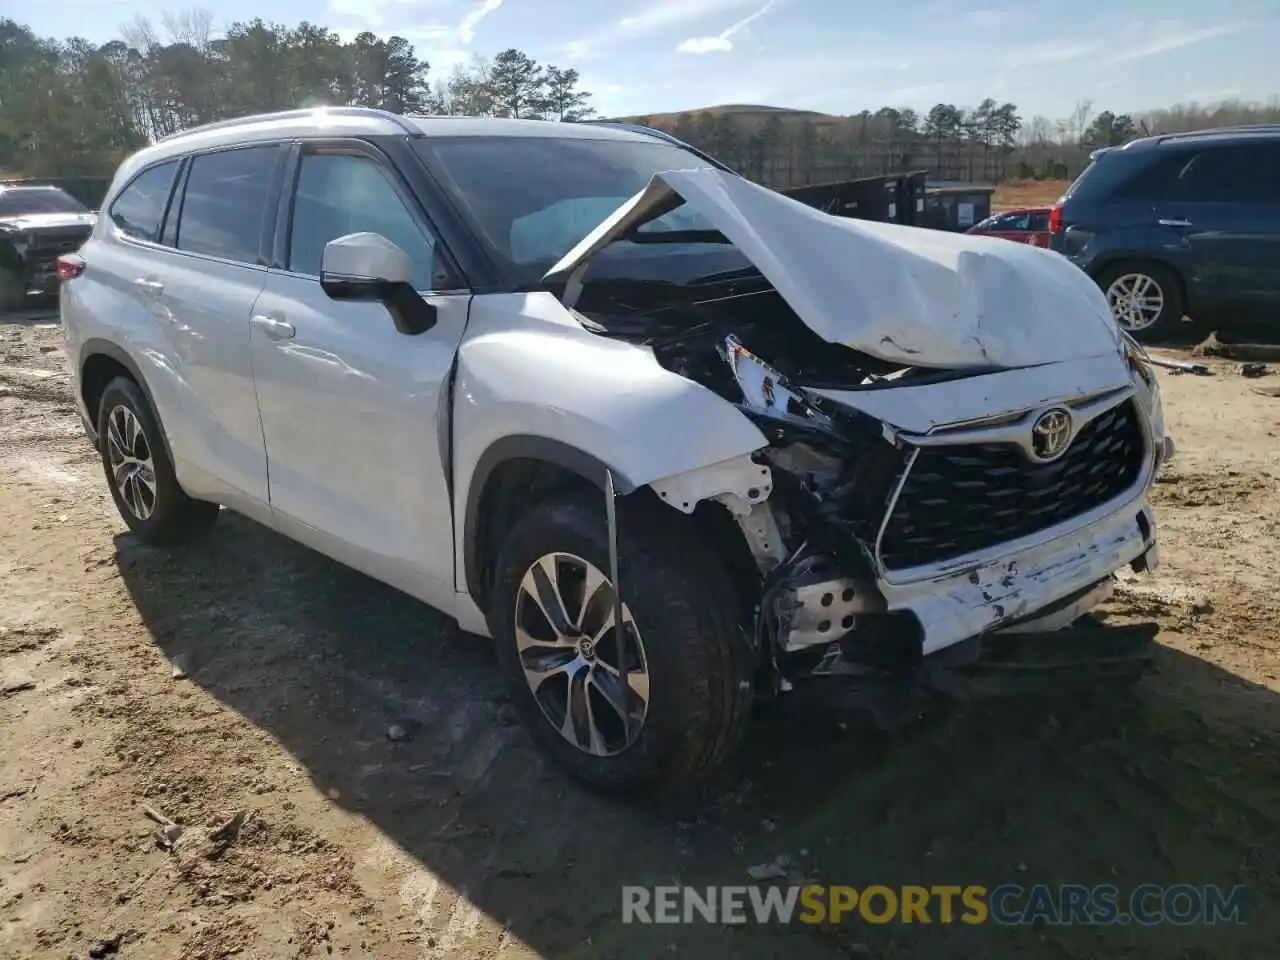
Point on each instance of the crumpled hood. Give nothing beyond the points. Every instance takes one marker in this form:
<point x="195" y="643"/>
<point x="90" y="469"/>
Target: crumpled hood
<point x="47" y="221"/>
<point x="908" y="295"/>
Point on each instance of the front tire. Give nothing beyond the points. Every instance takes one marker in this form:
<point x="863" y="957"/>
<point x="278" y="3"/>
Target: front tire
<point x="13" y="295"/>
<point x="1145" y="298"/>
<point x="689" y="670"/>
<point x="140" y="474"/>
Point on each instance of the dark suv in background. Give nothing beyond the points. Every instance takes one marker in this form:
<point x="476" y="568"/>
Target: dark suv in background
<point x="1185" y="223"/>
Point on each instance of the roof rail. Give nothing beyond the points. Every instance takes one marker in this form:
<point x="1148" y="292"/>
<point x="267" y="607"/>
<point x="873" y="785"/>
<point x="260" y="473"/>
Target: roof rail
<point x="660" y="134"/>
<point x="1245" y="128"/>
<point x="296" y="114"/>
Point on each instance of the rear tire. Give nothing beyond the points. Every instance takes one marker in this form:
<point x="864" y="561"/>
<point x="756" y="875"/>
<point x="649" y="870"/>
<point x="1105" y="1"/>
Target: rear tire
<point x="1134" y="285"/>
<point x="140" y="474"/>
<point x="695" y="659"/>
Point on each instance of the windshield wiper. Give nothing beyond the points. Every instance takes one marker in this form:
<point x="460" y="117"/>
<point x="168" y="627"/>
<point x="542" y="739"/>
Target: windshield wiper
<point x="676" y="236"/>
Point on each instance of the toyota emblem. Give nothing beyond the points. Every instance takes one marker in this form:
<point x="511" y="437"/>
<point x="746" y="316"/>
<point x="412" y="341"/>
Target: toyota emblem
<point x="1051" y="434"/>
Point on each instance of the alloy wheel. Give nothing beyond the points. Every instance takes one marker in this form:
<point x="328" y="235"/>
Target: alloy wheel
<point x="567" y="642"/>
<point x="1136" y="301"/>
<point x="132" y="469"/>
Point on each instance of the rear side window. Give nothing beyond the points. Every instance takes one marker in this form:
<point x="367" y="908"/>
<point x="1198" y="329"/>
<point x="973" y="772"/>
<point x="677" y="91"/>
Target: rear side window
<point x="1162" y="179"/>
<point x="1038" y="221"/>
<point x="225" y="206"/>
<point x="139" y="210"/>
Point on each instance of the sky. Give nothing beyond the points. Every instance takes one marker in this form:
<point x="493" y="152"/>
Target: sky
<point x="835" y="56"/>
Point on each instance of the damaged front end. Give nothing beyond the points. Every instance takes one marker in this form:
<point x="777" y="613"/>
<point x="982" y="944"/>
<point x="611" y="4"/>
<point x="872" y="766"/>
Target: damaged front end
<point x="963" y="557"/>
<point x="919" y="516"/>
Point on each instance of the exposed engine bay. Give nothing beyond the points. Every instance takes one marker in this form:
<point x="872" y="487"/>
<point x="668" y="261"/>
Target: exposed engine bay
<point x="846" y="509"/>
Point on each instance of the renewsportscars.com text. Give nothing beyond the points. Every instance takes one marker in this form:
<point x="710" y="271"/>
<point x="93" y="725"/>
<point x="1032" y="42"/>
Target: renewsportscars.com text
<point x="1008" y="904"/>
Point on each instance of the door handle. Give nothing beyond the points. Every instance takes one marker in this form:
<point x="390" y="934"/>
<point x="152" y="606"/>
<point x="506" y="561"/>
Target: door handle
<point x="274" y="327"/>
<point x="152" y="288"/>
<point x="1174" y="222"/>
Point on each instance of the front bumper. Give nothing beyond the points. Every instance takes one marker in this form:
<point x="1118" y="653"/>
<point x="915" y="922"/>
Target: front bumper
<point x="964" y="604"/>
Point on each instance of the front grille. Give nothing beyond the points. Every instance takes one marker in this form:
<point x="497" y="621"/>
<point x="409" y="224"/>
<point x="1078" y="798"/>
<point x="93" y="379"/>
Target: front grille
<point x="959" y="499"/>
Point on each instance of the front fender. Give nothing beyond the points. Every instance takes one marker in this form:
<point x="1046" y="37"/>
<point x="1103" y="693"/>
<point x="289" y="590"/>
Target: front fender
<point x="533" y="382"/>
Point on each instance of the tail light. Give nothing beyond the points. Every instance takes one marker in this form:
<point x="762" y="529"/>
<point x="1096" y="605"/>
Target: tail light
<point x="70" y="266"/>
<point x="1055" y="219"/>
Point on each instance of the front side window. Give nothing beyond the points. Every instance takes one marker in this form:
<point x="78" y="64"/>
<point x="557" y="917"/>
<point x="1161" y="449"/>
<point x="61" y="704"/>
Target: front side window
<point x="139" y="209"/>
<point x="1230" y="174"/>
<point x="532" y="199"/>
<point x="226" y="203"/>
<point x="339" y="194"/>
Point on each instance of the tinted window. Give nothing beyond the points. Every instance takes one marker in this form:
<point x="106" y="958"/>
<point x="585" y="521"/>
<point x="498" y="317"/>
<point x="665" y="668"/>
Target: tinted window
<point x="139" y="209"/>
<point x="1160" y="179"/>
<point x="19" y="201"/>
<point x="1239" y="173"/>
<point x="1261" y="171"/>
<point x="533" y="198"/>
<point x="340" y="194"/>
<point x="1038" y="221"/>
<point x="225" y="205"/>
<point x="1214" y="176"/>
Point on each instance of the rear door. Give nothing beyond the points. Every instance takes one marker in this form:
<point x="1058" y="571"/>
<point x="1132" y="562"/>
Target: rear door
<point x="204" y="293"/>
<point x="1230" y="216"/>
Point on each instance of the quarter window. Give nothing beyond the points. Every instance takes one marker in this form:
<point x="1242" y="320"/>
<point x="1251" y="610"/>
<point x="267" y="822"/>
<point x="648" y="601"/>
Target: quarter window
<point x="339" y="194"/>
<point x="225" y="205"/>
<point x="139" y="210"/>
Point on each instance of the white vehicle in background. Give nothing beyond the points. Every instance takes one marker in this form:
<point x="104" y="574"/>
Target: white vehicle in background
<point x="553" y="378"/>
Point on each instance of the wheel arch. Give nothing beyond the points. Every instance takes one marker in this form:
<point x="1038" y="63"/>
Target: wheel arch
<point x="101" y="362"/>
<point x="517" y="469"/>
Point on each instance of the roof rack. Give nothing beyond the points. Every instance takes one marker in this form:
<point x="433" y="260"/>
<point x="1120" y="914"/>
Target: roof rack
<point x="1245" y="128"/>
<point x="297" y="114"/>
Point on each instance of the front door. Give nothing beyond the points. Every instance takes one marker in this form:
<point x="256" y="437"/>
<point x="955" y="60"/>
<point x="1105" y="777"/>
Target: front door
<point x="354" y="413"/>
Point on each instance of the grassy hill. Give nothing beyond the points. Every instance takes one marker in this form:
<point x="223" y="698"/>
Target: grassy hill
<point x="739" y="111"/>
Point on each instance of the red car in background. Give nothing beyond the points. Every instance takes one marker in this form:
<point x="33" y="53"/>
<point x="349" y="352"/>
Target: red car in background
<point x="1029" y="225"/>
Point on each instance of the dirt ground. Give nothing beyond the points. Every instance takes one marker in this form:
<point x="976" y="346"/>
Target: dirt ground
<point x="251" y="676"/>
<point x="1027" y="193"/>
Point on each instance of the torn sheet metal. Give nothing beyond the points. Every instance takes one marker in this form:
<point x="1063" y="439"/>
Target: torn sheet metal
<point x="917" y="297"/>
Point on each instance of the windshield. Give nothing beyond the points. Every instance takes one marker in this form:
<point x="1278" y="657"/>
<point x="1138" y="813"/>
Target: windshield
<point x="531" y="199"/>
<point x="17" y="202"/>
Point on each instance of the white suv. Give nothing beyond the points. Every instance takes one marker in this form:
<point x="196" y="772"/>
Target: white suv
<point x="505" y="365"/>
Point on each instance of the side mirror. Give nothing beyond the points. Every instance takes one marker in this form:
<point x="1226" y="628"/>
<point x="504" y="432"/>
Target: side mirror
<point x="368" y="266"/>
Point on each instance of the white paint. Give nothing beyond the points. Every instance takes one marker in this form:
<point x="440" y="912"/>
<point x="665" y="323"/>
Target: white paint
<point x="908" y="295"/>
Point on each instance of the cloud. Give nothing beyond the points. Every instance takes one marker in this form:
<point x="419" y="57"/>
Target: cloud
<point x="1211" y="96"/>
<point x="387" y="16"/>
<point x="722" y="42"/>
<point x="653" y="18"/>
<point x="1176" y="36"/>
<point x="1057" y="52"/>
<point x="467" y="28"/>
<point x="987" y="18"/>
<point x="917" y="94"/>
<point x="375" y="13"/>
